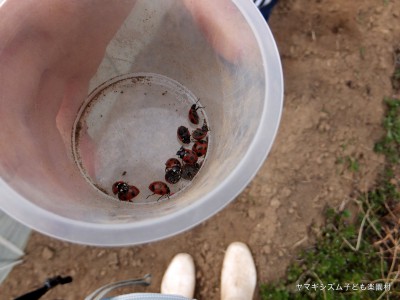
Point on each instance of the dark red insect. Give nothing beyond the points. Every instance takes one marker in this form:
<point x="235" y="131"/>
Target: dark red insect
<point x="183" y="134"/>
<point x="201" y="133"/>
<point x="173" y="170"/>
<point x="188" y="156"/>
<point x="159" y="188"/>
<point x="193" y="115"/>
<point x="200" y="147"/>
<point x="189" y="171"/>
<point x="172" y="162"/>
<point x="124" y="191"/>
<point x="128" y="196"/>
<point x="173" y="175"/>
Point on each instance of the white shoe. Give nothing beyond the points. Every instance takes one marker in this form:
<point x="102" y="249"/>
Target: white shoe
<point x="179" y="279"/>
<point x="238" y="277"/>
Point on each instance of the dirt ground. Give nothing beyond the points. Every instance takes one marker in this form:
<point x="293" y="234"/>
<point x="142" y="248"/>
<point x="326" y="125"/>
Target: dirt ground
<point x="337" y="57"/>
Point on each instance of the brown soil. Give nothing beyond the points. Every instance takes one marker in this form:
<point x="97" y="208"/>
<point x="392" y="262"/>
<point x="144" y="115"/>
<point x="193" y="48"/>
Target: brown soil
<point x="338" y="60"/>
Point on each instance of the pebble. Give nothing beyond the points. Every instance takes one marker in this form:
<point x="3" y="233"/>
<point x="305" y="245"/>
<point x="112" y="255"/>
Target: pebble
<point x="101" y="253"/>
<point x="266" y="249"/>
<point x="205" y="248"/>
<point x="252" y="213"/>
<point x="319" y="159"/>
<point x="275" y="203"/>
<point x="286" y="192"/>
<point x="47" y="253"/>
<point x="324" y="126"/>
<point x="137" y="263"/>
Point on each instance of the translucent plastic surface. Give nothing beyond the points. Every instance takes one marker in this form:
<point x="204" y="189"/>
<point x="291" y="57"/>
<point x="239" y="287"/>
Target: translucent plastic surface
<point x="243" y="97"/>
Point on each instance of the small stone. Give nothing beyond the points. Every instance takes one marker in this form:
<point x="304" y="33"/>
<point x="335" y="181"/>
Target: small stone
<point x="252" y="214"/>
<point x="291" y="210"/>
<point x="205" y="248"/>
<point x="101" y="253"/>
<point x="47" y="253"/>
<point x="266" y="249"/>
<point x="137" y="263"/>
<point x="286" y="192"/>
<point x="275" y="203"/>
<point x="324" y="126"/>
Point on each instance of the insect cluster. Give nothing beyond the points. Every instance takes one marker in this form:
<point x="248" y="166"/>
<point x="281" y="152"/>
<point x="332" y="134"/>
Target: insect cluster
<point x="124" y="191"/>
<point x="190" y="166"/>
<point x="175" y="170"/>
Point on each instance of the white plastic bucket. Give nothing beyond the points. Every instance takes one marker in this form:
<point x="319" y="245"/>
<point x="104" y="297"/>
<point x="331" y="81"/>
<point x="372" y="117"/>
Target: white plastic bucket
<point x="242" y="94"/>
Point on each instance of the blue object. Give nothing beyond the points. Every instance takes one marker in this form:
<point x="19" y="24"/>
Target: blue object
<point x="265" y="6"/>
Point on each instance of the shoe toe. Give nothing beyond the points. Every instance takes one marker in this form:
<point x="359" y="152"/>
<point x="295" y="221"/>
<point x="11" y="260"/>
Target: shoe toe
<point x="238" y="277"/>
<point x="179" y="279"/>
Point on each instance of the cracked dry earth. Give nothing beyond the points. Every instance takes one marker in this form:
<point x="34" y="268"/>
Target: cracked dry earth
<point x="337" y="58"/>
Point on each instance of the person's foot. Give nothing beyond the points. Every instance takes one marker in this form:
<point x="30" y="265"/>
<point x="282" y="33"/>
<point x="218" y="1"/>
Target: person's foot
<point x="238" y="276"/>
<point x="179" y="278"/>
